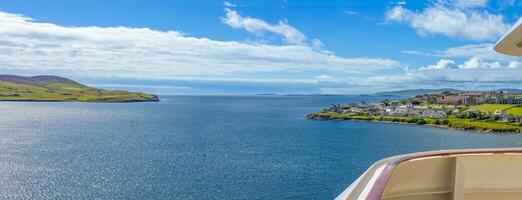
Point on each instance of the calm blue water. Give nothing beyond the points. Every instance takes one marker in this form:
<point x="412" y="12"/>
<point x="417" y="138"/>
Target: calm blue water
<point x="200" y="147"/>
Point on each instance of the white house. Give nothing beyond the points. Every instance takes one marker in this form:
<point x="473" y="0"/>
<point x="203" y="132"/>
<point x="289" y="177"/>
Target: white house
<point x="499" y="112"/>
<point x="427" y="113"/>
<point x="455" y="111"/>
<point x="402" y="110"/>
<point x="440" y="114"/>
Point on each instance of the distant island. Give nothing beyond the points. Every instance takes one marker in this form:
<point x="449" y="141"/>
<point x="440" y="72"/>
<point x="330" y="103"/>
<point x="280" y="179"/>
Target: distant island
<point x="415" y="92"/>
<point x="59" y="89"/>
<point x="411" y="93"/>
<point x="493" y="111"/>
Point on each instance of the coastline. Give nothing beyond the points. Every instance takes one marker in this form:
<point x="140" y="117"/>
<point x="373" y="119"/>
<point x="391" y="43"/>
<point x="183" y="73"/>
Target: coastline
<point x="447" y="123"/>
<point x="154" y="99"/>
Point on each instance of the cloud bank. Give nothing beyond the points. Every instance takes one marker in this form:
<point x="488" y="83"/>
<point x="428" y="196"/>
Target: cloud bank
<point x="483" y="51"/>
<point x="456" y="20"/>
<point x="31" y="47"/>
<point x="257" y="26"/>
<point x="28" y="46"/>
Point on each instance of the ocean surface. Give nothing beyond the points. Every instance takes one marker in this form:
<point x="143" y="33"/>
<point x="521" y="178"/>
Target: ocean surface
<point x="201" y="147"/>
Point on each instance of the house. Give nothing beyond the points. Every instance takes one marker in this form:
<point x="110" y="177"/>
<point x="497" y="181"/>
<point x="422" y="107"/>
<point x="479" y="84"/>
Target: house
<point x="337" y="108"/>
<point x="403" y="110"/>
<point x="377" y="106"/>
<point x="389" y="110"/>
<point x="499" y="112"/>
<point x="440" y="114"/>
<point x="426" y="113"/>
<point x="455" y="111"/>
<point x="375" y="111"/>
<point x="508" y="118"/>
<point x="356" y="111"/>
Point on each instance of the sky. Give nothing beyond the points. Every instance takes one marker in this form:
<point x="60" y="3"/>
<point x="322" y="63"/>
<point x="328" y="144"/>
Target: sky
<point x="261" y="46"/>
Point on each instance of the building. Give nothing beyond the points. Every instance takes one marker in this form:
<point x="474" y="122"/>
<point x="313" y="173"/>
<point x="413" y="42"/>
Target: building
<point x="508" y="118"/>
<point x="440" y="114"/>
<point x="426" y="113"/>
<point x="450" y="99"/>
<point x="403" y="110"/>
<point x="499" y="112"/>
<point x="473" y="98"/>
<point x="455" y="111"/>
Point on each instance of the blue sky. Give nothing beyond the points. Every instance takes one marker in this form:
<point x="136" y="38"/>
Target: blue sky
<point x="249" y="47"/>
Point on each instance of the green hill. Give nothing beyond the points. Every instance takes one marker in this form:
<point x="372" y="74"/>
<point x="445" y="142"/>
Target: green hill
<point x="55" y="88"/>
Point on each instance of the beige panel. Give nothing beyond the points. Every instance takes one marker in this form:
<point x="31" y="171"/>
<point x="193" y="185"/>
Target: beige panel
<point x="493" y="196"/>
<point x="492" y="172"/>
<point x="420" y="176"/>
<point x="422" y="197"/>
<point x="511" y="43"/>
<point x="462" y="177"/>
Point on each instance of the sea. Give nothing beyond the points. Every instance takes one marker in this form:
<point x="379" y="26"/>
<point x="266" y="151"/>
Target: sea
<point x="202" y="147"/>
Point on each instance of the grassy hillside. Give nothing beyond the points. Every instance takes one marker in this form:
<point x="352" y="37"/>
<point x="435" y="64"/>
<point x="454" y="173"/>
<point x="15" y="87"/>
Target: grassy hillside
<point x="492" y="107"/>
<point x="53" y="88"/>
<point x="514" y="111"/>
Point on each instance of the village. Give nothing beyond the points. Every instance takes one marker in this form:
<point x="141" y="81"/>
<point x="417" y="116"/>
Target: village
<point x="439" y="106"/>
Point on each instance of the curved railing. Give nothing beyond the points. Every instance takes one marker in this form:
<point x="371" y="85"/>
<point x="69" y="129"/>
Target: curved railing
<point x="448" y="174"/>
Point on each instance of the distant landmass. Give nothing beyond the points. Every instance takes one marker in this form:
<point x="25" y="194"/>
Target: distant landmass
<point x="277" y="94"/>
<point x="415" y="92"/>
<point x="55" y="88"/>
<point x="411" y="93"/>
<point x="509" y="90"/>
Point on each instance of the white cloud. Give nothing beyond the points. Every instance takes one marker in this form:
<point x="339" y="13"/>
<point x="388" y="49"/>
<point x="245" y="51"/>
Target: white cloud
<point x="474" y="73"/>
<point x="515" y="65"/>
<point x="470" y="3"/>
<point x="476" y="63"/>
<point x="471" y="74"/>
<point x="472" y="63"/>
<point x="257" y="26"/>
<point x="451" y="21"/>
<point x="228" y="4"/>
<point x="349" y="12"/>
<point x="317" y="43"/>
<point x="483" y="51"/>
<point x="442" y="64"/>
<point x="461" y="78"/>
<point x="325" y="78"/>
<point x="30" y="47"/>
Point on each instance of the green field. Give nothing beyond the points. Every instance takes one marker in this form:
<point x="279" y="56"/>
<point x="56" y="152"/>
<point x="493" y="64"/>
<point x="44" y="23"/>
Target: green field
<point x="515" y="111"/>
<point x="484" y="126"/>
<point x="67" y="92"/>
<point x="492" y="107"/>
